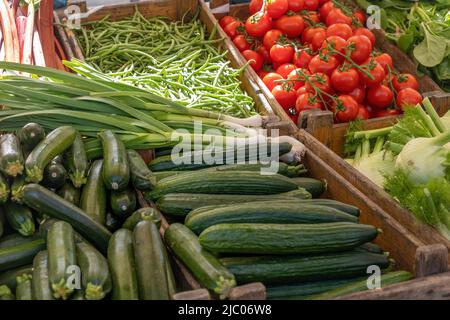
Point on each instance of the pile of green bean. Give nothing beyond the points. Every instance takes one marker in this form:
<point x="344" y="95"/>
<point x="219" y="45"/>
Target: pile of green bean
<point x="175" y="60"/>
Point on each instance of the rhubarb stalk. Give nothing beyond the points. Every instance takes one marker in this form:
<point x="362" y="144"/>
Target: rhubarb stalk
<point x="27" y="54"/>
<point x="11" y="41"/>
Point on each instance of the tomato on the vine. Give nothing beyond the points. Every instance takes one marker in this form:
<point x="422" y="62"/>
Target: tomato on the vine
<point x="341" y="30"/>
<point x="256" y="61"/>
<point x="375" y="70"/>
<point x="302" y="90"/>
<point x="359" y="94"/>
<point x="311" y="5"/>
<point x="263" y="72"/>
<point x="363" y="113"/>
<point x="258" y="24"/>
<point x="301" y="59"/>
<point x="276" y="8"/>
<point x="296" y="5"/>
<point x="408" y="97"/>
<point x="241" y="43"/>
<point x="309" y="32"/>
<point x="337" y="43"/>
<point x="308" y="101"/>
<point x="360" y="16"/>
<point x="271" y="37"/>
<point x="323" y="64"/>
<point x="360" y="48"/>
<point x="255" y="6"/>
<point x="223" y="22"/>
<point x="297" y="80"/>
<point x="336" y="15"/>
<point x="291" y="25"/>
<point x="386" y="61"/>
<point x="380" y="97"/>
<point x="264" y="53"/>
<point x="285" y="95"/>
<point x="345" y="80"/>
<point x="234" y="28"/>
<point x="285" y="69"/>
<point x="282" y="53"/>
<point x="318" y="39"/>
<point x="386" y="113"/>
<point x="321" y="81"/>
<point x="325" y="10"/>
<point x="365" y="32"/>
<point x="312" y="17"/>
<point x="405" y="80"/>
<point x="345" y="108"/>
<point x="270" y="78"/>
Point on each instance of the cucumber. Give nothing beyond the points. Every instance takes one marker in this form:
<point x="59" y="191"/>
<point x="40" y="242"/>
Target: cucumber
<point x="55" y="143"/>
<point x="150" y="262"/>
<point x="6" y="293"/>
<point x="41" y="199"/>
<point x="4" y="189"/>
<point x="11" y="156"/>
<point x="291" y="269"/>
<point x="171" y="282"/>
<point x="180" y="204"/>
<point x="54" y="176"/>
<point x="228" y="182"/>
<point x="143" y="214"/>
<point x="371" y="247"/>
<point x="40" y="282"/>
<point x="112" y="223"/>
<point x="204" y="266"/>
<point x="61" y="256"/>
<point x="30" y="135"/>
<point x="20" y="218"/>
<point x="17" y="189"/>
<point x="354" y="211"/>
<point x="116" y="170"/>
<point x="23" y="290"/>
<point x="93" y="196"/>
<point x="141" y="176"/>
<point x="361" y="285"/>
<point x="76" y="162"/>
<point x="69" y="193"/>
<point x="257" y="238"/>
<point x="122" y="266"/>
<point x="15" y="239"/>
<point x="96" y="279"/>
<point x="313" y="186"/>
<point x="123" y="203"/>
<point x="20" y="255"/>
<point x="9" y="277"/>
<point x="279" y="212"/>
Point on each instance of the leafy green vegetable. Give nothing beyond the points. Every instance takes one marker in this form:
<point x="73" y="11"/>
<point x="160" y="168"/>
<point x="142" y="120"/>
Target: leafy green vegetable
<point x="432" y="50"/>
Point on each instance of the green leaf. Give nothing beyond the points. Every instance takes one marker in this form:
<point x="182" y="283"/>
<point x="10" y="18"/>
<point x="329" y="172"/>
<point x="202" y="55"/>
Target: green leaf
<point x="431" y="51"/>
<point x="405" y="41"/>
<point x="443" y="70"/>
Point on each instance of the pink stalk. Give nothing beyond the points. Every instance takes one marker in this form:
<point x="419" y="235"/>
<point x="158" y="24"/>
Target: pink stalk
<point x="27" y="55"/>
<point x="38" y="53"/>
<point x="21" y="22"/>
<point x="11" y="41"/>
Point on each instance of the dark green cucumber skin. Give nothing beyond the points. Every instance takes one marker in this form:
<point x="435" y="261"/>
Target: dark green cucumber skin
<point x="116" y="170"/>
<point x="23" y="290"/>
<point x="70" y="193"/>
<point x="171" y="282"/>
<point x="257" y="238"/>
<point x="17" y="188"/>
<point x="371" y="247"/>
<point x="277" y="212"/>
<point x="4" y="189"/>
<point x="30" y="135"/>
<point x="9" y="277"/>
<point x="40" y="283"/>
<point x="47" y="223"/>
<point x="93" y="196"/>
<point x="123" y="203"/>
<point x="20" y="255"/>
<point x="313" y="186"/>
<point x="20" y="218"/>
<point x="291" y="269"/>
<point x="11" y="156"/>
<point x="141" y="176"/>
<point x="203" y="265"/>
<point x="354" y="211"/>
<point x="143" y="214"/>
<point x="61" y="255"/>
<point x="43" y="200"/>
<point x="95" y="270"/>
<point x="150" y="262"/>
<point x="180" y="204"/>
<point x="55" y="143"/>
<point x="112" y="223"/>
<point x="75" y="160"/>
<point x="15" y="239"/>
<point x="54" y="176"/>
<point x="122" y="266"/>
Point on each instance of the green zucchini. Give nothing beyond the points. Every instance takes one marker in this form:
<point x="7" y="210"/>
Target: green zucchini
<point x="9" y="277"/>
<point x="44" y="227"/>
<point x="4" y="189"/>
<point x="278" y="212"/>
<point x="69" y="193"/>
<point x="78" y="295"/>
<point x="141" y="176"/>
<point x="204" y="266"/>
<point x="291" y="269"/>
<point x="30" y="135"/>
<point x="20" y="218"/>
<point x="143" y="214"/>
<point x="122" y="266"/>
<point x="123" y="203"/>
<point x="96" y="279"/>
<point x="228" y="182"/>
<point x="112" y="223"/>
<point x="76" y="162"/>
<point x="20" y="254"/>
<point x="150" y="262"/>
<point x="61" y="256"/>
<point x="371" y="247"/>
<point x="180" y="204"/>
<point x="93" y="196"/>
<point x="55" y="143"/>
<point x="23" y="290"/>
<point x="171" y="282"/>
<point x="41" y="199"/>
<point x="17" y="188"/>
<point x="40" y="282"/>
<point x="2" y="223"/>
<point x="6" y="293"/>
<point x="11" y="156"/>
<point x="116" y="170"/>
<point x="54" y="176"/>
<point x="258" y="238"/>
<point x="313" y="186"/>
<point x="361" y="285"/>
<point x="15" y="239"/>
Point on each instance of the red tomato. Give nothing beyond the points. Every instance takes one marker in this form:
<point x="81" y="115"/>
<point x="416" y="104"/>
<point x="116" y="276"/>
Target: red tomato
<point x="258" y="24"/>
<point x="311" y="5"/>
<point x="340" y="29"/>
<point x="285" y="69"/>
<point x="301" y="59"/>
<point x="408" y="97"/>
<point x="291" y="26"/>
<point x="386" y="61"/>
<point x="345" y="108"/>
<point x="285" y="96"/>
<point x="276" y="8"/>
<point x="255" y="58"/>
<point x="405" y="80"/>
<point x="321" y="82"/>
<point x="297" y="80"/>
<point x="337" y="16"/>
<point x="345" y="81"/>
<point x="271" y="37"/>
<point x="380" y="97"/>
<point x="325" y="10"/>
<point x="360" y="47"/>
<point x="322" y="2"/>
<point x="255" y="6"/>
<point x="241" y="43"/>
<point x="296" y="5"/>
<point x="301" y="90"/>
<point x="365" y="32"/>
<point x="264" y="53"/>
<point x="270" y="78"/>
<point x="318" y="39"/>
<point x="312" y="17"/>
<point x="226" y="21"/>
<point x="262" y="73"/>
<point x="307" y="101"/>
<point x="234" y="28"/>
<point x="377" y="72"/>
<point x="386" y="113"/>
<point x="308" y="34"/>
<point x="282" y="53"/>
<point x="359" y="93"/>
<point x="317" y="64"/>
<point x="363" y="113"/>
<point x="336" y="43"/>
<point x="360" y="16"/>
